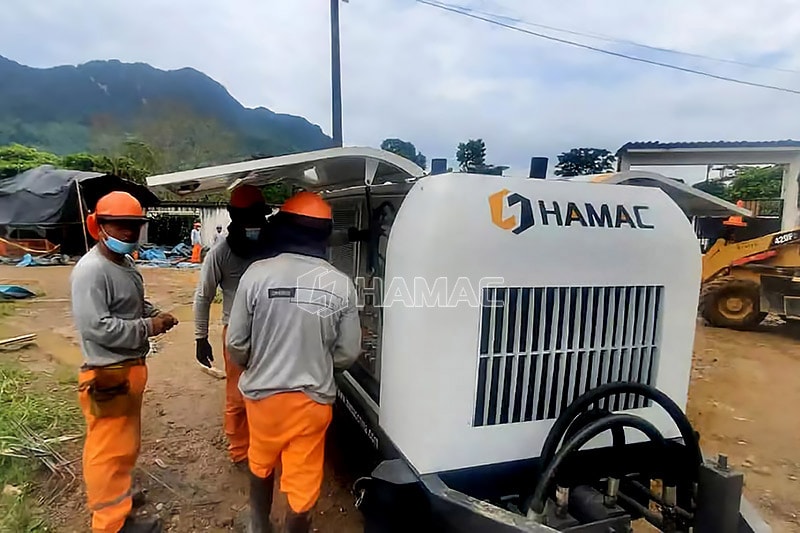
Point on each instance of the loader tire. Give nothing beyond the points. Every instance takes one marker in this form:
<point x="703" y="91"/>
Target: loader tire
<point x="733" y="303"/>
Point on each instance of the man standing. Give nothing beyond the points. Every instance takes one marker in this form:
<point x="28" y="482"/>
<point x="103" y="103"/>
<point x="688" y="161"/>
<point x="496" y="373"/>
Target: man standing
<point x="197" y="243"/>
<point x="246" y="242"/>
<point x="290" y="336"/>
<point x="217" y="236"/>
<point x="114" y="322"/>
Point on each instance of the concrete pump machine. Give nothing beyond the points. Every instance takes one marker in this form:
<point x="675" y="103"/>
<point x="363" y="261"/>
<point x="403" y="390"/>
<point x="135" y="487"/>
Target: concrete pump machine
<point x="527" y="349"/>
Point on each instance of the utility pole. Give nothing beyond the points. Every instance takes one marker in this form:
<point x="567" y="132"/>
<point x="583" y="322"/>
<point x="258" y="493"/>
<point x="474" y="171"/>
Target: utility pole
<point x="336" y="75"/>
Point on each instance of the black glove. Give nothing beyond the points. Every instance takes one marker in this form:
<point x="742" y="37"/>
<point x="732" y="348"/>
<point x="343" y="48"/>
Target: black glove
<point x="204" y="353"/>
<point x="356" y="235"/>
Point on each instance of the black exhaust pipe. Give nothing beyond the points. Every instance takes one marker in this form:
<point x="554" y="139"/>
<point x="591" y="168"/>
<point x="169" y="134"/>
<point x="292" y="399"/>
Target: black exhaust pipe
<point x="538" y="168"/>
<point x="438" y="166"/>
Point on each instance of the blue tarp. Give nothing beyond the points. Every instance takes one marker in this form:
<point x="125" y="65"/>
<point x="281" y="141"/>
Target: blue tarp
<point x="165" y="257"/>
<point x="43" y="260"/>
<point x="27" y="260"/>
<point x="153" y="254"/>
<point x="14" y="292"/>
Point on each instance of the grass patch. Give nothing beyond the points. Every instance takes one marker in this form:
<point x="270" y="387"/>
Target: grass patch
<point x="48" y="410"/>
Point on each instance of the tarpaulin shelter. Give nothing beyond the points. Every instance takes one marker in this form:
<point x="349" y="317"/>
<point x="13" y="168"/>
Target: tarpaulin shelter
<point x="53" y="203"/>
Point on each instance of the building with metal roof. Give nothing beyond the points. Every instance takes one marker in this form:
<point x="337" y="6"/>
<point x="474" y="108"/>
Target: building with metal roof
<point x="705" y="153"/>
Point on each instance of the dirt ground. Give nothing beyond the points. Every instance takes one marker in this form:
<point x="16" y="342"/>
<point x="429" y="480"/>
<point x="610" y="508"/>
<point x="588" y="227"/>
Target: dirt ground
<point x="744" y="401"/>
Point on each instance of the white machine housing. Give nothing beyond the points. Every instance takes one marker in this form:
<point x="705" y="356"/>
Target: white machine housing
<point x="471" y="228"/>
<point x="553" y="250"/>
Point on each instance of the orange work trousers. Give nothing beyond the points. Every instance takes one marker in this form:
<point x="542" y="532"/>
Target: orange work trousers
<point x="291" y="427"/>
<point x="235" y="413"/>
<point x="196" y="249"/>
<point x="111" y="401"/>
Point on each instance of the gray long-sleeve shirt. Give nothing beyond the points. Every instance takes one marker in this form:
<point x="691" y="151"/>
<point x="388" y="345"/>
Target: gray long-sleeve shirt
<point x="294" y="320"/>
<point x="221" y="268"/>
<point x="109" y="310"/>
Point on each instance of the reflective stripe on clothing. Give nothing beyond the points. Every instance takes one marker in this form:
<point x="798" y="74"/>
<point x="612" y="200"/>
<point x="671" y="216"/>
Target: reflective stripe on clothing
<point x="290" y="427"/>
<point x="113" y="439"/>
<point x="235" y="412"/>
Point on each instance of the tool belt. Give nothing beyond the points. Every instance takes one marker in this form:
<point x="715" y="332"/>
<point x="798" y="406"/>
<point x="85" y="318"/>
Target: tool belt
<point x="109" y="389"/>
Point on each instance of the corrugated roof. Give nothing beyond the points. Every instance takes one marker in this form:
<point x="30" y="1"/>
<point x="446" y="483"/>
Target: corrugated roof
<point x="657" y="145"/>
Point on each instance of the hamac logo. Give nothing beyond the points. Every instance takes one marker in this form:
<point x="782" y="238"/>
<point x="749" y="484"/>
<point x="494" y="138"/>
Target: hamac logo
<point x="562" y="214"/>
<point x="498" y="202"/>
<point x="318" y="291"/>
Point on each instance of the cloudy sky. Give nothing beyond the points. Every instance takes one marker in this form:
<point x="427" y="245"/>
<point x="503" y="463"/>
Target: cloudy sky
<point x="436" y="78"/>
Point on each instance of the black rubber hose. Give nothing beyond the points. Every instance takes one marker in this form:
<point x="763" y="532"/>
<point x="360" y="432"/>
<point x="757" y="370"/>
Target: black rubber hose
<point x="582" y="437"/>
<point x="592" y="415"/>
<point x="587" y="417"/>
<point x="581" y="404"/>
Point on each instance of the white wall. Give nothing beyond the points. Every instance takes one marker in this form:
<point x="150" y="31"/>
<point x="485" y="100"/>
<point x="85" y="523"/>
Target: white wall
<point x="209" y="218"/>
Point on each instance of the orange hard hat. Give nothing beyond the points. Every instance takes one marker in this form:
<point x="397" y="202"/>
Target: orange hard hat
<point x="116" y="205"/>
<point x="246" y="196"/>
<point x="307" y="204"/>
<point x="736" y="220"/>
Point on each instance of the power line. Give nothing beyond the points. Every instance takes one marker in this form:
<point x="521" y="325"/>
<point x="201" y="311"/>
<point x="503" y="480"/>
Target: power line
<point x="459" y="11"/>
<point x="608" y="38"/>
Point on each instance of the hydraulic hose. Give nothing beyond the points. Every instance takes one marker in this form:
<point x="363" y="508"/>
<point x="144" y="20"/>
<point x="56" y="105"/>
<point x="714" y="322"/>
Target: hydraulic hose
<point x="587" y="417"/>
<point x="592" y="415"/>
<point x="593" y="396"/>
<point x="581" y="438"/>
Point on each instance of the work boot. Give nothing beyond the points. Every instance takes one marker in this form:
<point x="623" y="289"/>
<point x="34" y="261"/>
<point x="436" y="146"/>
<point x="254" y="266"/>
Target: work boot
<point x="138" y="498"/>
<point x="141" y="525"/>
<point x="242" y="466"/>
<point x="260" y="503"/>
<point x="297" y="522"/>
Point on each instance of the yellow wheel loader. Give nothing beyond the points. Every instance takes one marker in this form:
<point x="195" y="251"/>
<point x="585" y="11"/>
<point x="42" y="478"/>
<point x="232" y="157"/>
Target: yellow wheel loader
<point x="745" y="280"/>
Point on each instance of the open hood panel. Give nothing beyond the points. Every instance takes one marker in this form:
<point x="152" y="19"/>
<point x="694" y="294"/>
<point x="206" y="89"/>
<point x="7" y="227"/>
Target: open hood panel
<point x="321" y="170"/>
<point x="693" y="201"/>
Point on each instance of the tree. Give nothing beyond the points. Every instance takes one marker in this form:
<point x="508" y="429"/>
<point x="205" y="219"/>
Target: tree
<point x="471" y="156"/>
<point x="580" y="161"/>
<point x="404" y="149"/>
<point x="757" y="183"/>
<point x="81" y="161"/>
<point x="132" y="160"/>
<point x="715" y="188"/>
<point x="748" y="183"/>
<point x="183" y="139"/>
<point x="16" y="158"/>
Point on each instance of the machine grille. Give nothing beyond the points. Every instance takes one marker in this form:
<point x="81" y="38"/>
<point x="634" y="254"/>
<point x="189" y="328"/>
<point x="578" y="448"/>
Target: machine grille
<point x="542" y="347"/>
<point x="342" y="257"/>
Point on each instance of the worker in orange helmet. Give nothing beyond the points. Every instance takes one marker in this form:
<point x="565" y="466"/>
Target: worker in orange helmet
<point x="247" y="241"/>
<point x="290" y="336"/>
<point x="114" y="323"/>
<point x="197" y="243"/>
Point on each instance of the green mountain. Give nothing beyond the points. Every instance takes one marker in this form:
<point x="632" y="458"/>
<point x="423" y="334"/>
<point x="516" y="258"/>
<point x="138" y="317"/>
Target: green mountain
<point x="69" y="109"/>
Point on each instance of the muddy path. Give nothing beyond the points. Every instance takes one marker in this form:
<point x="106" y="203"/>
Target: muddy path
<point x="744" y="400"/>
<point x="183" y="464"/>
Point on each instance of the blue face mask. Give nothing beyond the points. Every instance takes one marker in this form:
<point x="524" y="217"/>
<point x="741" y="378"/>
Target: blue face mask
<point x="119" y="247"/>
<point x="252" y="233"/>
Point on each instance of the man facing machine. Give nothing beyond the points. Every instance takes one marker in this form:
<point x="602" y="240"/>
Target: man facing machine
<point x="289" y="336"/>
<point x="247" y="241"/>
